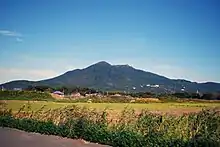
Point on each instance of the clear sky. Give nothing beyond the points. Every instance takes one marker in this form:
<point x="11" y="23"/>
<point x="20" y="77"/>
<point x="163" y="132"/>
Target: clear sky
<point x="175" y="38"/>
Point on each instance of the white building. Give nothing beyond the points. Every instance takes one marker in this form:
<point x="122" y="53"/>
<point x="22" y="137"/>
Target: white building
<point x="155" y="86"/>
<point x="17" y="89"/>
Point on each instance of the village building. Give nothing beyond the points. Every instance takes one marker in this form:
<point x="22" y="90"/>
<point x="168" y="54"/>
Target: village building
<point x="58" y="94"/>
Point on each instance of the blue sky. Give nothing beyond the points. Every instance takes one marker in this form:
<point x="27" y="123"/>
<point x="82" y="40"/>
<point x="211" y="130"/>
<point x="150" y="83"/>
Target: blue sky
<point x="175" y="38"/>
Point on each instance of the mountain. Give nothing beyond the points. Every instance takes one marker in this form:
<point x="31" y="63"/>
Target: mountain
<point x="104" y="76"/>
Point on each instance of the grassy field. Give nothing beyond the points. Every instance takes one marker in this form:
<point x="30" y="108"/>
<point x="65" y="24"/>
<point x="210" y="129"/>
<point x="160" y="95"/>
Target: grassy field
<point x="171" y="108"/>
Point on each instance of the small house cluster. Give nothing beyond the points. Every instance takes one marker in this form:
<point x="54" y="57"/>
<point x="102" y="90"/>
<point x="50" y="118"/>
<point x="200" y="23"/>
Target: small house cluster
<point x="74" y="95"/>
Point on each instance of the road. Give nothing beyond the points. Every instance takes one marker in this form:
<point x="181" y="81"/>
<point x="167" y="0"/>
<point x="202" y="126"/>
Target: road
<point x="16" y="138"/>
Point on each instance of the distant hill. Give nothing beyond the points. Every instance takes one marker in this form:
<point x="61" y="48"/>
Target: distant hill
<point x="104" y="76"/>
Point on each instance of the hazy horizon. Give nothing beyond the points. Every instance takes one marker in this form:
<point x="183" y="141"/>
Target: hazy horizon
<point x="175" y="39"/>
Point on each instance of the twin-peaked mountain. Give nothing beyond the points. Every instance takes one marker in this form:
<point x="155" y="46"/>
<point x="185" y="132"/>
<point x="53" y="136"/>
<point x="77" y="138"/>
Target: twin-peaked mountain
<point x="104" y="76"/>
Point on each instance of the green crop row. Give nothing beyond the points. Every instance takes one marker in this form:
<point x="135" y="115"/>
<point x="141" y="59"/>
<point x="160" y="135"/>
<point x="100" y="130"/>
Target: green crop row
<point x="128" y="130"/>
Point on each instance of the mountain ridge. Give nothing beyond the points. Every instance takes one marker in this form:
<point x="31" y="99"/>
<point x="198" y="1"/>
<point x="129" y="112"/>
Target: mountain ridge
<point x="104" y="76"/>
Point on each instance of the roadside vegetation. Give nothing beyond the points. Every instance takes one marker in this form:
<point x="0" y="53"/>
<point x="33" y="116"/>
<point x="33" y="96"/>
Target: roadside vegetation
<point x="128" y="129"/>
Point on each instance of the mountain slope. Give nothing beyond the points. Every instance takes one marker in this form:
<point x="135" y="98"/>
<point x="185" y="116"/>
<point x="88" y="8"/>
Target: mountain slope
<point x="104" y="76"/>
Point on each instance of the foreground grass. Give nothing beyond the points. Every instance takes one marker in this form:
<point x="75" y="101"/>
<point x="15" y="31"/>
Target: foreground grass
<point x="130" y="130"/>
<point x="173" y="108"/>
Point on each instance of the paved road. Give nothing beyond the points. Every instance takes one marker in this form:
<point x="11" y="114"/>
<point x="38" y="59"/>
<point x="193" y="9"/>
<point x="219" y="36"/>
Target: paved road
<point x="16" y="138"/>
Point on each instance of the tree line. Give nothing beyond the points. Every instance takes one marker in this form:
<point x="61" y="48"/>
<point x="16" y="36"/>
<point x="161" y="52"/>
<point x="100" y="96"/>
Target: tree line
<point x="84" y="90"/>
